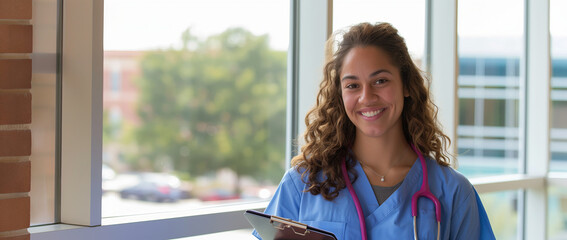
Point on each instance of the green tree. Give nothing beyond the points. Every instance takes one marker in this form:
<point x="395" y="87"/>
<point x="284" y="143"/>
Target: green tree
<point x="217" y="103"/>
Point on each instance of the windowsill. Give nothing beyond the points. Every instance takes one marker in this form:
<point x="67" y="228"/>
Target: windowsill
<point x="156" y="226"/>
<point x="507" y="182"/>
<point x="213" y="209"/>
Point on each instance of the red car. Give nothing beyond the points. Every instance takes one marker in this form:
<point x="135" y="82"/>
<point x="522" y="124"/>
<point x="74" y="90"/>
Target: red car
<point x="219" y="195"/>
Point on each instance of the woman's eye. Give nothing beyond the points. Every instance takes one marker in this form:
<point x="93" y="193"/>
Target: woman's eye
<point x="350" y="86"/>
<point x="381" y="81"/>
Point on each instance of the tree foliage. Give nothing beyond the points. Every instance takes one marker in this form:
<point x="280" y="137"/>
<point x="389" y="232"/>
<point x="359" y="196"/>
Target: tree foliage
<point x="216" y="103"/>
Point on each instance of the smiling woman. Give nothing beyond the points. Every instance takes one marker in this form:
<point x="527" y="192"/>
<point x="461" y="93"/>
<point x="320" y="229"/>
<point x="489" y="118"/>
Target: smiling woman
<point x="374" y="114"/>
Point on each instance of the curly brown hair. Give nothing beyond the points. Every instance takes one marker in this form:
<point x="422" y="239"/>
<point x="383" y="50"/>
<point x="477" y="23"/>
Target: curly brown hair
<point x="330" y="133"/>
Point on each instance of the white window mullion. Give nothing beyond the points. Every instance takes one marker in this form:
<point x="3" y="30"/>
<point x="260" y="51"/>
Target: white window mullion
<point x="442" y="63"/>
<point x="315" y="27"/>
<point x="81" y="119"/>
<point x="537" y="126"/>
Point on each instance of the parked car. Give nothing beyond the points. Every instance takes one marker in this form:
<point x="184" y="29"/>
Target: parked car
<point x="155" y="187"/>
<point x="218" y="195"/>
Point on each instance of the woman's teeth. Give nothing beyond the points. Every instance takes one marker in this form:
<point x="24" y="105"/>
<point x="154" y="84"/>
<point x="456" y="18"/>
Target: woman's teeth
<point x="372" y="113"/>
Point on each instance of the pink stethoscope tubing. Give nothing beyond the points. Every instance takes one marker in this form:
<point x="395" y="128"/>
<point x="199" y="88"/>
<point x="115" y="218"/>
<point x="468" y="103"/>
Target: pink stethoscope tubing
<point x="423" y="192"/>
<point x="356" y="201"/>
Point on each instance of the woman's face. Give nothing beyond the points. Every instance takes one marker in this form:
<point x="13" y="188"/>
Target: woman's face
<point x="372" y="91"/>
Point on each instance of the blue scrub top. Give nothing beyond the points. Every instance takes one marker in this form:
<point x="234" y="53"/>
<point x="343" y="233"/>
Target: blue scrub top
<point x="462" y="213"/>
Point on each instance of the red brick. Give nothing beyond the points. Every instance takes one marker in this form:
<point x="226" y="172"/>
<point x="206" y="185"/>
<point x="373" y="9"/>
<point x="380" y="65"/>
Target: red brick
<point x="15" y="214"/>
<point x="15" y="143"/>
<point x="25" y="236"/>
<point x="15" y="73"/>
<point x="15" y="177"/>
<point x="16" y="38"/>
<point x="15" y="107"/>
<point x="15" y="9"/>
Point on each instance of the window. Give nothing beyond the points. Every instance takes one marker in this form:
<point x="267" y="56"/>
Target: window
<point x="489" y="86"/>
<point x="557" y="217"/>
<point x="196" y="109"/>
<point x="559" y="89"/>
<point x="490" y="49"/>
<point x="503" y="212"/>
<point x="557" y="200"/>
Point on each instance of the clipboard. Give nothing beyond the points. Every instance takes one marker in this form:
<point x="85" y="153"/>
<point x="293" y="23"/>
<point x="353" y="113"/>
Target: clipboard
<point x="277" y="228"/>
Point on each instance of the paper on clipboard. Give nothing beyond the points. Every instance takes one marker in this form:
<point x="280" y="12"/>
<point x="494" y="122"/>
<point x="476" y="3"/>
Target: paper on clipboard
<point x="277" y="228"/>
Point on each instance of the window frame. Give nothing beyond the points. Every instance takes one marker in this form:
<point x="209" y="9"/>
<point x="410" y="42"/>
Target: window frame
<point x="81" y="112"/>
<point x="81" y="120"/>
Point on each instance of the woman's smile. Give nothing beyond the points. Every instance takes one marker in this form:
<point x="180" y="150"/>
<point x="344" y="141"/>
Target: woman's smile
<point x="372" y="113"/>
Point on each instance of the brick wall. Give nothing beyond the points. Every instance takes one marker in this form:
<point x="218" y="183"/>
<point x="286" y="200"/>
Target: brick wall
<point x="15" y="117"/>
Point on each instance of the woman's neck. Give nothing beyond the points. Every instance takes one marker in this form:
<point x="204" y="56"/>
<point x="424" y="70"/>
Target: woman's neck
<point x="385" y="160"/>
<point x="382" y="153"/>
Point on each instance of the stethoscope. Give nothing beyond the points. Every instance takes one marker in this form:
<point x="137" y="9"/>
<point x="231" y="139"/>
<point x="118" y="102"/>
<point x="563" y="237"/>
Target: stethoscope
<point x="423" y="192"/>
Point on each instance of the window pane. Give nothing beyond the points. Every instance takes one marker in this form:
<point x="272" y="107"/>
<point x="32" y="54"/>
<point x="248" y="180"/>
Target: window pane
<point x="467" y="66"/>
<point x="558" y="26"/>
<point x="557" y="212"/>
<point x="489" y="51"/>
<point x="559" y="67"/>
<point x="502" y="209"/>
<point x="44" y="92"/>
<point x="495" y="67"/>
<point x="466" y="111"/>
<point x="494" y="112"/>
<point x="194" y="105"/>
<point x="500" y="113"/>
<point x="558" y="114"/>
<point x="349" y="12"/>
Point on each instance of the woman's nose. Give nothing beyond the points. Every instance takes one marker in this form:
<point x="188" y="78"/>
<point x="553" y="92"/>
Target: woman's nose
<point x="367" y="95"/>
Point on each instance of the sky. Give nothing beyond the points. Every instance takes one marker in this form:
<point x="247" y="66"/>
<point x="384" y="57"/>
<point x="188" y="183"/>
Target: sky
<point x="408" y="16"/>
<point x="150" y="24"/>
